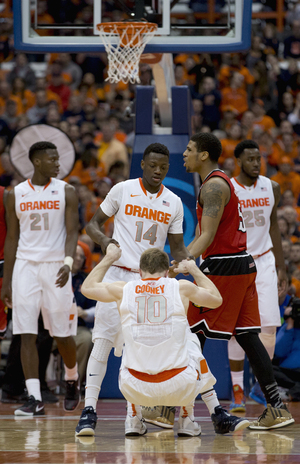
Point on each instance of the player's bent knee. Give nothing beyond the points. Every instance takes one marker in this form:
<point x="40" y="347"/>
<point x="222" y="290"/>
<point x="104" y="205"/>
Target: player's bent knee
<point x="101" y="349"/>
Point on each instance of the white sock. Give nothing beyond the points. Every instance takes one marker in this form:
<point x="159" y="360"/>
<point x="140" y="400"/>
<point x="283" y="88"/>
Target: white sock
<point x="187" y="411"/>
<point x="238" y="378"/>
<point x="134" y="410"/>
<point x="211" y="400"/>
<point x="71" y="374"/>
<point x="95" y="373"/>
<point x="34" y="388"/>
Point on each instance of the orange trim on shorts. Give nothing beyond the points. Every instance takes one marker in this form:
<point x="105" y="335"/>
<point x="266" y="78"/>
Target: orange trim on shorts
<point x="156" y="378"/>
<point x="71" y="318"/>
<point x="203" y="367"/>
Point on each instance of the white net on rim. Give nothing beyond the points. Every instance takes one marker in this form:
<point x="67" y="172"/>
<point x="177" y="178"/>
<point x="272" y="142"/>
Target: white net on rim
<point x="124" y="44"/>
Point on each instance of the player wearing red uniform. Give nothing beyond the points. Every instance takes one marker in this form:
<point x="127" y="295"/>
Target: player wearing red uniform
<point x="221" y="240"/>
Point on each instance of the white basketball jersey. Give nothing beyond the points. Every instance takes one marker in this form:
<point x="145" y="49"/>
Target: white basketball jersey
<point x="154" y="326"/>
<point x="41" y="214"/>
<point x="257" y="203"/>
<point x="141" y="219"/>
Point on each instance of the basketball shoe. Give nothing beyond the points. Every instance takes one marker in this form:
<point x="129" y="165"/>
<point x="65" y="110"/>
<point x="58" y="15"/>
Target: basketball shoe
<point x="162" y="416"/>
<point x="134" y="426"/>
<point x="72" y="398"/>
<point x="87" y="422"/>
<point x="257" y="395"/>
<point x="32" y="407"/>
<point x="273" y="418"/>
<point x="225" y="423"/>
<point x="238" y="403"/>
<point x="187" y="427"/>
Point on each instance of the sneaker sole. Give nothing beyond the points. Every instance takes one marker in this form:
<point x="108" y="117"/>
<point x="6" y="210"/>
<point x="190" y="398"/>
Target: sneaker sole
<point x="29" y="414"/>
<point x="237" y="408"/>
<point x="276" y="426"/>
<point x="242" y="425"/>
<point x="85" y="432"/>
<point x="159" y="423"/>
<point x="134" y="433"/>
<point x="186" y="433"/>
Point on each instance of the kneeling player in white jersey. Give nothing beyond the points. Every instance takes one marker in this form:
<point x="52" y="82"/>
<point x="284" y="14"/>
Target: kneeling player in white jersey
<point x="259" y="197"/>
<point x="162" y="359"/>
<point x="42" y="229"/>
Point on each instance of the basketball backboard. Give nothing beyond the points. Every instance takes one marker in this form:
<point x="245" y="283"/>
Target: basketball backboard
<point x="213" y="26"/>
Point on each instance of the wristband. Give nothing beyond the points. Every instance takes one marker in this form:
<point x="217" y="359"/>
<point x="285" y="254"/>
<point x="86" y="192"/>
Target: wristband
<point x="69" y="261"/>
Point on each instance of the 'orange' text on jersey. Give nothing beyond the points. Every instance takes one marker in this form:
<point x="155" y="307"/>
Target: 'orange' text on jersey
<point x="253" y="202"/>
<point x="32" y="205"/>
<point x="147" y="213"/>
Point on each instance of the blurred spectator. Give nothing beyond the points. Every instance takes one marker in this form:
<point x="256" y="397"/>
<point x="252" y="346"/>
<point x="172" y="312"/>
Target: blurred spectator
<point x="211" y="99"/>
<point x="288" y="199"/>
<point x="287" y="146"/>
<point x="74" y="113"/>
<point x="286" y="106"/>
<point x="294" y="257"/>
<point x="261" y="120"/>
<point x="117" y="172"/>
<point x="286" y="249"/>
<point x="286" y="177"/>
<point x="235" y="64"/>
<point x="234" y="95"/>
<point x="22" y="70"/>
<point x="102" y="114"/>
<point x="283" y="226"/>
<point x="26" y="95"/>
<point x="110" y="149"/>
<point x="229" y="166"/>
<point x="287" y="353"/>
<point x="294" y="116"/>
<point x="9" y="174"/>
<point x="41" y="84"/>
<point x="57" y="85"/>
<point x="290" y="214"/>
<point x="93" y="64"/>
<point x="292" y="43"/>
<point x="6" y="94"/>
<point x="247" y="122"/>
<point x="72" y="69"/>
<point x="88" y="168"/>
<point x="255" y="53"/>
<point x="10" y="115"/>
<point x="52" y="117"/>
<point x="270" y="39"/>
<point x="39" y="110"/>
<point x="197" y="117"/>
<point x="89" y="110"/>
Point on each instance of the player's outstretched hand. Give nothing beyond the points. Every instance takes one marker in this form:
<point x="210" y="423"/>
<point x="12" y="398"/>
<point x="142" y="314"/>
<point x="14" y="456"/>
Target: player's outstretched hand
<point x="113" y="252"/>
<point x="6" y="296"/>
<point x="62" y="276"/>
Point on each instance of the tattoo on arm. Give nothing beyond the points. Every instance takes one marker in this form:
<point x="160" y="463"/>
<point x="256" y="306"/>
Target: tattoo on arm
<point x="212" y="198"/>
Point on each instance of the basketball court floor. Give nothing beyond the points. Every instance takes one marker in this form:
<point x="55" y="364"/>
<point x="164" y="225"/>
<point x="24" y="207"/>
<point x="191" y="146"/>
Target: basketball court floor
<point x="51" y="439"/>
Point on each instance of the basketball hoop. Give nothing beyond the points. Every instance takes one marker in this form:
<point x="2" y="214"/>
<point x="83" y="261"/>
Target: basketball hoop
<point x="124" y="44"/>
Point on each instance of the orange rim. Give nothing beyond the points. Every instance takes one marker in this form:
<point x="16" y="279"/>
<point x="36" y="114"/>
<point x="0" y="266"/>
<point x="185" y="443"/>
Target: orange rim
<point x="130" y="27"/>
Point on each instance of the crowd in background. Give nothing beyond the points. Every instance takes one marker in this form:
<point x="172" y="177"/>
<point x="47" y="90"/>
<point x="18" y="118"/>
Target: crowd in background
<point x="253" y="95"/>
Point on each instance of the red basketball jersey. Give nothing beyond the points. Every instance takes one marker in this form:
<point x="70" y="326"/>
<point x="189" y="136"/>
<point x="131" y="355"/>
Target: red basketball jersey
<point x="231" y="234"/>
<point x="2" y="224"/>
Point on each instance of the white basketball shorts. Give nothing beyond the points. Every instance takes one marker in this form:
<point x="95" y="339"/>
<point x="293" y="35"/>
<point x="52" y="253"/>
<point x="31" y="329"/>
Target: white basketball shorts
<point x="107" y="318"/>
<point x="34" y="290"/>
<point x="180" y="390"/>
<point x="267" y="290"/>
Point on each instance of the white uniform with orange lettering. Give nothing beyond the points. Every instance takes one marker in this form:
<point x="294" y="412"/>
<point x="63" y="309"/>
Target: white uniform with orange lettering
<point x="257" y="203"/>
<point x="160" y="363"/>
<point x="141" y="220"/>
<point x="40" y="255"/>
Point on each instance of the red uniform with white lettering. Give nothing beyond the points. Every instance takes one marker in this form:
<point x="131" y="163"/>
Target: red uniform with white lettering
<point x="3" y="318"/>
<point x="141" y="220"/>
<point x="233" y="272"/>
<point x="40" y="255"/>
